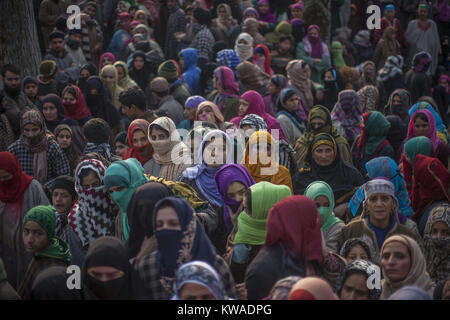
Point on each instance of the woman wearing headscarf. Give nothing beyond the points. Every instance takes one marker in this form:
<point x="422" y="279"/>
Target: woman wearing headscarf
<point x="403" y="264"/>
<point x="101" y="106"/>
<point x="422" y="124"/>
<point x="251" y="77"/>
<point x="226" y="95"/>
<point x="436" y="243"/>
<point x="399" y="104"/>
<point x="352" y="284"/>
<point x="322" y="194"/>
<point x="369" y="98"/>
<point x="276" y="83"/>
<point x="417" y="81"/>
<point x="388" y="168"/>
<point x="319" y="121"/>
<point x="396" y="135"/>
<point x="232" y="181"/>
<point x="250" y="229"/>
<point x="324" y="163"/>
<point x="207" y="111"/>
<point x="390" y="76"/>
<point x="299" y="77"/>
<point x="312" y="288"/>
<point x="265" y="15"/>
<point x="333" y="84"/>
<point x="64" y="137"/>
<point x="356" y="249"/>
<point x="261" y="57"/>
<point x="347" y="115"/>
<point x="386" y="47"/>
<point x="74" y="105"/>
<point x="223" y="26"/>
<point x="122" y="282"/>
<point x="183" y="242"/>
<point x="52" y="111"/>
<point x="291" y="115"/>
<point x="261" y="160"/>
<point x="94" y="213"/>
<point x="122" y="178"/>
<point x="379" y="219"/>
<point x="337" y="54"/>
<point x="18" y="194"/>
<point x="244" y="46"/>
<point x="251" y="27"/>
<point x="214" y="152"/>
<point x="170" y="155"/>
<point x="368" y="74"/>
<point x="106" y="59"/>
<point x="431" y="182"/>
<point x="372" y="143"/>
<point x="110" y="80"/>
<point x="228" y="58"/>
<point x="251" y="102"/>
<point x="315" y="52"/>
<point x="86" y="71"/>
<point x="293" y="246"/>
<point x="124" y="80"/>
<point x="39" y="154"/>
<point x="141" y="150"/>
<point x="440" y="128"/>
<point x="39" y="239"/>
<point x="282" y="288"/>
<point x="141" y="70"/>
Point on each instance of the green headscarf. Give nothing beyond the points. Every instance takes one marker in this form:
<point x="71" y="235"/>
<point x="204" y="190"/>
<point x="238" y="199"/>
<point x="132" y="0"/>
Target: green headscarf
<point x="418" y="145"/>
<point x="337" y="53"/>
<point x="283" y="28"/>
<point x="320" y="188"/>
<point x="264" y="195"/>
<point x="377" y="128"/>
<point x="130" y="175"/>
<point x="45" y="216"/>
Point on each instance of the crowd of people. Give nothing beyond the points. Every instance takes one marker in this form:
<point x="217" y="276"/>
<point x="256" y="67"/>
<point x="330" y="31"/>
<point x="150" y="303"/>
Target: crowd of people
<point x="242" y="150"/>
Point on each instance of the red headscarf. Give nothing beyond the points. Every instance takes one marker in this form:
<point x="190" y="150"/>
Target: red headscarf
<point x="430" y="184"/>
<point x="78" y="110"/>
<point x="142" y="154"/>
<point x="295" y="222"/>
<point x="12" y="190"/>
<point x="260" y="48"/>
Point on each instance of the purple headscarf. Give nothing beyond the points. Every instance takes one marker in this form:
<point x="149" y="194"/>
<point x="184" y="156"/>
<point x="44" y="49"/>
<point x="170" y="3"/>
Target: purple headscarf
<point x="316" y="43"/>
<point x="224" y="177"/>
<point x="269" y="16"/>
<point x="249" y="10"/>
<point x="225" y="76"/>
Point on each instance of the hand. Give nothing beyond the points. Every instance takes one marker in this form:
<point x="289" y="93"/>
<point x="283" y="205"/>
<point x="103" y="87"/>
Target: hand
<point x="148" y="246"/>
<point x="85" y="17"/>
<point x="339" y="211"/>
<point x="234" y="215"/>
<point x="241" y="291"/>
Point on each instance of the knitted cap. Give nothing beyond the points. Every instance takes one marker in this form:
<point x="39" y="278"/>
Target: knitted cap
<point x="66" y="183"/>
<point x="56" y="35"/>
<point x="379" y="185"/>
<point x="168" y="70"/>
<point x="159" y="84"/>
<point x="194" y="101"/>
<point x="45" y="216"/>
<point x="48" y="68"/>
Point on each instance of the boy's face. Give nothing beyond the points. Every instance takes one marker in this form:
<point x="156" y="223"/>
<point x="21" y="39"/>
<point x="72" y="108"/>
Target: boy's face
<point x="62" y="200"/>
<point x="285" y="45"/>
<point x="30" y="90"/>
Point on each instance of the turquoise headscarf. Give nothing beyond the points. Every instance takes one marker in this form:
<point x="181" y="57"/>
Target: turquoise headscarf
<point x="418" y="145"/>
<point x="320" y="188"/>
<point x="130" y="175"/>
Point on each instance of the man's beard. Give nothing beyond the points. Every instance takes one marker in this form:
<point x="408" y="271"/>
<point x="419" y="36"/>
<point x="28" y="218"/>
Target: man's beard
<point x="12" y="92"/>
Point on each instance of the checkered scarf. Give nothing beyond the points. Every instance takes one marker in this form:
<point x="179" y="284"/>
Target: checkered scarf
<point x="93" y="214"/>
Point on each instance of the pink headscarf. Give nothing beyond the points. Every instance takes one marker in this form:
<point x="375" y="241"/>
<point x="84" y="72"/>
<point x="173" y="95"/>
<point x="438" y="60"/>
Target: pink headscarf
<point x="256" y="106"/>
<point x="106" y="55"/>
<point x="225" y="76"/>
<point x="432" y="131"/>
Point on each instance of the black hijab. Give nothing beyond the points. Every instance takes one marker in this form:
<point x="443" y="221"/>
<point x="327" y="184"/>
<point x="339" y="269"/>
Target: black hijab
<point x="142" y="76"/>
<point x="51" y="284"/>
<point x="93" y="71"/>
<point x="332" y="88"/>
<point x="342" y="177"/>
<point x="396" y="134"/>
<point x="111" y="252"/>
<point x="56" y="101"/>
<point x="139" y="213"/>
<point x="100" y="103"/>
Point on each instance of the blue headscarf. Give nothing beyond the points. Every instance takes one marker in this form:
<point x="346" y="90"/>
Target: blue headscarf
<point x="176" y="247"/>
<point x="389" y="7"/>
<point x="228" y="58"/>
<point x="203" y="175"/>
<point x="385" y="167"/>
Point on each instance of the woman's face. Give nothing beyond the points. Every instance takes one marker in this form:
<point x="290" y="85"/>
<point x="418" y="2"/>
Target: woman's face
<point x="323" y="155"/>
<point x="396" y="261"/>
<point x="263" y="8"/>
<point x="370" y="69"/>
<point x="317" y="123"/>
<point x="138" y="63"/>
<point x="189" y="113"/>
<point x="273" y="89"/>
<point x="215" y="153"/>
<point x="106" y="61"/>
<point x="142" y="18"/>
<point x="297" y="13"/>
<point x="356" y="253"/>
<point x="207" y="114"/>
<point x="108" y="77"/>
<point x="307" y="71"/>
<point x="167" y="219"/>
<point x="68" y="97"/>
<point x="243" y="106"/>
<point x="236" y="191"/>
<point x="223" y="14"/>
<point x="322" y="201"/>
<point x="84" y="73"/>
<point x="90" y="181"/>
<point x="105" y="273"/>
<point x="396" y="100"/>
<point x="314" y="33"/>
<point x="64" y="139"/>
<point x="263" y="150"/>
<point x="355" y="288"/>
<point x="292" y="103"/>
<point x="440" y="230"/>
<point x="444" y="83"/>
<point x="194" y="291"/>
<point x="421" y="127"/>
<point x="140" y="139"/>
<point x="380" y="206"/>
<point x="250" y="15"/>
<point x="158" y="135"/>
<point x="243" y="41"/>
<point x="120" y="72"/>
<point x="328" y="76"/>
<point x="50" y="111"/>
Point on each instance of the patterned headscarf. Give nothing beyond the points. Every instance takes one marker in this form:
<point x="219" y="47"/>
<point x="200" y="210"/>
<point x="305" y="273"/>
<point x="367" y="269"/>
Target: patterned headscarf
<point x="226" y="79"/>
<point x="366" y="268"/>
<point x="348" y="113"/>
<point x="368" y="97"/>
<point x="300" y="80"/>
<point x="422" y="62"/>
<point x="282" y="288"/>
<point x="254" y="121"/>
<point x="228" y="58"/>
<point x="432" y="133"/>
<point x="351" y="243"/>
<point x="392" y="67"/>
<point x="94" y="213"/>
<point x="200" y="273"/>
<point x="402" y="109"/>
